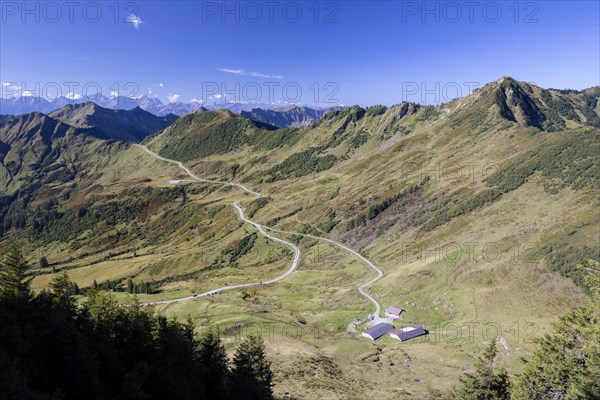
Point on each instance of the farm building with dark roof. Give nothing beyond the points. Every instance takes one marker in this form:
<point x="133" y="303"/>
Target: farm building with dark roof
<point x="408" y="333"/>
<point x="394" y="312"/>
<point x="377" y="331"/>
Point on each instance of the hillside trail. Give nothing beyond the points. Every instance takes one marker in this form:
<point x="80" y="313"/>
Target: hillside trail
<point x="261" y="229"/>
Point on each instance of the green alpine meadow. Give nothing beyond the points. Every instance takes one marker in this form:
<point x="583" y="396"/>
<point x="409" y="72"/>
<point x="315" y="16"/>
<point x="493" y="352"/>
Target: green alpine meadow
<point x="296" y="200"/>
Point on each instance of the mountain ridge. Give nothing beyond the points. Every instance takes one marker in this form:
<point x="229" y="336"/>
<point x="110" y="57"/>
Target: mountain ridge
<point x="27" y="104"/>
<point x="475" y="210"/>
<point x="546" y="109"/>
<point x="127" y="125"/>
<point x="288" y="117"/>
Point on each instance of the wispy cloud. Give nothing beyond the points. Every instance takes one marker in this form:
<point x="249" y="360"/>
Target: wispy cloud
<point x="249" y="73"/>
<point x="173" y="97"/>
<point x="231" y="71"/>
<point x="11" y="85"/>
<point x="134" y="20"/>
<point x="154" y="85"/>
<point x="10" y="89"/>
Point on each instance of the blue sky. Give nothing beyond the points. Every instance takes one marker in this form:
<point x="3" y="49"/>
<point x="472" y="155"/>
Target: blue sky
<point x="346" y="52"/>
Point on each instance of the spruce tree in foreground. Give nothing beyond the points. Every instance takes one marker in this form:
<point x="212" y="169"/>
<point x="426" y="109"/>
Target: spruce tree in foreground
<point x="215" y="369"/>
<point x="252" y="378"/>
<point x="485" y="383"/>
<point x="13" y="281"/>
<point x="53" y="349"/>
<point x="566" y="363"/>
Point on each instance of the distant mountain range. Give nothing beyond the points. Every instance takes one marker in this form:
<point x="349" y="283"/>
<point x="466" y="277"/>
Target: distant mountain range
<point x="291" y="116"/>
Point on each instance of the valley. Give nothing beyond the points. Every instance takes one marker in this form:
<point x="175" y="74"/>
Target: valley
<point x="300" y="200"/>
<point x="261" y="228"/>
<point x="469" y="215"/>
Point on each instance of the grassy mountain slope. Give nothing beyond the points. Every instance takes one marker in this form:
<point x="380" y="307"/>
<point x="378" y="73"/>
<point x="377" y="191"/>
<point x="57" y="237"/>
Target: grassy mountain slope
<point x="126" y="125"/>
<point x="476" y="211"/>
<point x="200" y="134"/>
<point x="46" y="166"/>
<point x="38" y="150"/>
<point x="472" y="208"/>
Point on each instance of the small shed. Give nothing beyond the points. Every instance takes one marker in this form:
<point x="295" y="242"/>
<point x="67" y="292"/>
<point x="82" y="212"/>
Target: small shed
<point x="377" y="331"/>
<point x="408" y="333"/>
<point x="394" y="312"/>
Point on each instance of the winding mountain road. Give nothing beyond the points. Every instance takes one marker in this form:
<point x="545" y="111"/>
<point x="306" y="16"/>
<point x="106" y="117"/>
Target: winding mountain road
<point x="361" y="288"/>
<point x="261" y="228"/>
<point x="245" y="285"/>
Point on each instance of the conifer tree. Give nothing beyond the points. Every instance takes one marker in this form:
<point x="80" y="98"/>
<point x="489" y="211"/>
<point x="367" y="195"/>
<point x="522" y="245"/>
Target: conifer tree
<point x="566" y="363"/>
<point x="252" y="377"/>
<point x="130" y="286"/>
<point x="44" y="262"/>
<point x="215" y="368"/>
<point x="485" y="383"/>
<point x="62" y="290"/>
<point x="13" y="281"/>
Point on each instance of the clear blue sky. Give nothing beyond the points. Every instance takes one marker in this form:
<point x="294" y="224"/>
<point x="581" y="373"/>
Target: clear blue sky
<point x="372" y="52"/>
